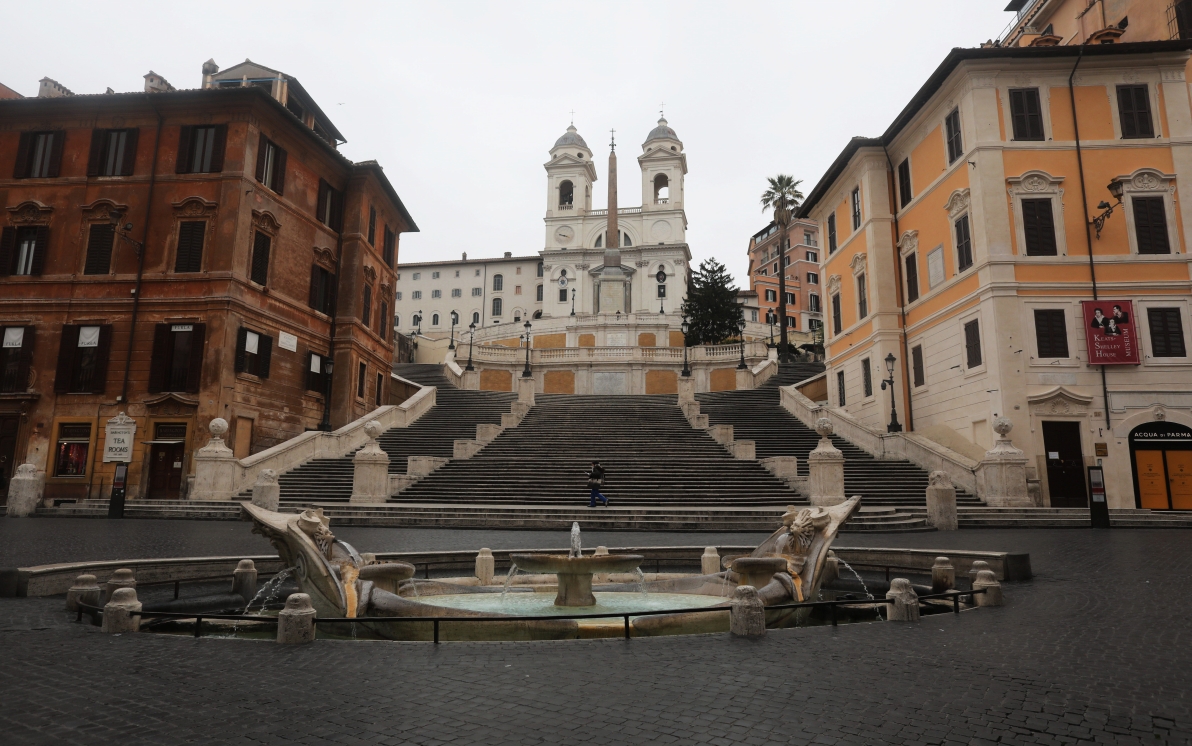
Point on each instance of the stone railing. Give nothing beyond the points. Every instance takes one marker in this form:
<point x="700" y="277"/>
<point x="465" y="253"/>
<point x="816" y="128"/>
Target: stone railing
<point x="915" y="448"/>
<point x="221" y="476"/>
<point x="705" y="353"/>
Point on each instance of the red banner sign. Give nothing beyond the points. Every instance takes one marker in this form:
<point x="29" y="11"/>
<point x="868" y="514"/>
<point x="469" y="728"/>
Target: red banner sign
<point x="1110" y="333"/>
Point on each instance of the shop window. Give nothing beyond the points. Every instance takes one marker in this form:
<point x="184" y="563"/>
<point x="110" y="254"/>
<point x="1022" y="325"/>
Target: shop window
<point x="74" y="442"/>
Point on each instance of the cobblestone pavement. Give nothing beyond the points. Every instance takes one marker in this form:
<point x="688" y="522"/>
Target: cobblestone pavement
<point x="1095" y="649"/>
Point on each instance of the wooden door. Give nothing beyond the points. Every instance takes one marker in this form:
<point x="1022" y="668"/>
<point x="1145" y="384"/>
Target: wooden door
<point x="1065" y="465"/>
<point x="8" y="451"/>
<point x="1179" y="478"/>
<point x="1152" y="479"/>
<point x="165" y="470"/>
<point x="242" y="446"/>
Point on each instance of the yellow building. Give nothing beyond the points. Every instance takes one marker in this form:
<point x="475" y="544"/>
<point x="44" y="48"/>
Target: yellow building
<point x="968" y="243"/>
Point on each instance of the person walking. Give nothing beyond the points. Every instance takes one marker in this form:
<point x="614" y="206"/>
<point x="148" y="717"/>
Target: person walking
<point x="595" y="482"/>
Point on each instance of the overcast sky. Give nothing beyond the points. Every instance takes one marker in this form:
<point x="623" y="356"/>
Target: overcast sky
<point x="461" y="101"/>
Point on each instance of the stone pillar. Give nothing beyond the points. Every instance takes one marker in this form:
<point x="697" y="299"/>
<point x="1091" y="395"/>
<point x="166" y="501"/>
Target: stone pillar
<point x="977" y="567"/>
<point x="747" y="616"/>
<point x="420" y="466"/>
<point x="370" y="477"/>
<point x="745" y="450"/>
<point x="993" y="589"/>
<point x="686" y="389"/>
<point x="525" y="391"/>
<point x="296" y="622"/>
<point x="25" y="491"/>
<point x="487" y="432"/>
<point x="216" y="467"/>
<point x="709" y="563"/>
<point x="485" y="566"/>
<point x="826" y="468"/>
<point x="122" y="578"/>
<point x="722" y="434"/>
<point x="905" y="606"/>
<point x="1001" y="475"/>
<point x="244" y="580"/>
<point x="85" y="590"/>
<point x="831" y="563"/>
<point x="943" y="575"/>
<point x="470" y="380"/>
<point x="266" y="492"/>
<point x="941" y="502"/>
<point x="116" y="616"/>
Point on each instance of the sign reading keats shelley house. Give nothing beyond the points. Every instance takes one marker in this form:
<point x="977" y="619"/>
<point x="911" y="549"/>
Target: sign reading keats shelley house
<point x="1109" y="332"/>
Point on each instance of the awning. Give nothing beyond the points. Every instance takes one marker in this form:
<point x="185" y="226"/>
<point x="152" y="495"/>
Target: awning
<point x="162" y="442"/>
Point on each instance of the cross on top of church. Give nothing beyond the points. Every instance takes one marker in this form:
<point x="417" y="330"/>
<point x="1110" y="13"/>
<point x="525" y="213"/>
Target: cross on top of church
<point x="573" y="117"/>
<point x="661" y="107"/>
<point x="613" y="145"/>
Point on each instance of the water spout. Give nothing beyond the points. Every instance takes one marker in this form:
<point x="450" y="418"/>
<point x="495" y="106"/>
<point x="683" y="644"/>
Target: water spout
<point x="508" y="581"/>
<point x="269" y="590"/>
<point x="641" y="582"/>
<point x="857" y="575"/>
<point x="576" y="546"/>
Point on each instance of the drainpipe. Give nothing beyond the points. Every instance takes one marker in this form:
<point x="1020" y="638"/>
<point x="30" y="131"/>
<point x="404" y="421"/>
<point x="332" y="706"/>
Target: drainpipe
<point x="339" y="258"/>
<point x="1084" y="203"/>
<point x="910" y="412"/>
<point x="136" y="298"/>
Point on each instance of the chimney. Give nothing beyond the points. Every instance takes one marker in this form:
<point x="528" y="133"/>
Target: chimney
<point x="508" y="254"/>
<point x="465" y="256"/>
<point x="51" y="88"/>
<point x="155" y="83"/>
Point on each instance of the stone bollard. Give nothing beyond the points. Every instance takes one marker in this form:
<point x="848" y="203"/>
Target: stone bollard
<point x="266" y="492"/>
<point x="370" y="475"/>
<point x="122" y="578"/>
<point x="941" y="502"/>
<point x="709" y="563"/>
<point x="244" y="580"/>
<point x="978" y="566"/>
<point x="831" y="567"/>
<point x="84" y="590"/>
<point x="116" y="616"/>
<point x="825" y="465"/>
<point x="943" y="575"/>
<point x="747" y="616"/>
<point x="25" y="491"/>
<point x="905" y="606"/>
<point x="296" y="622"/>
<point x="993" y="589"/>
<point x="485" y="566"/>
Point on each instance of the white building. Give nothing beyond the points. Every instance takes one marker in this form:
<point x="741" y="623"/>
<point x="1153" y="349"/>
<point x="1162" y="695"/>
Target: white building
<point x="563" y="276"/>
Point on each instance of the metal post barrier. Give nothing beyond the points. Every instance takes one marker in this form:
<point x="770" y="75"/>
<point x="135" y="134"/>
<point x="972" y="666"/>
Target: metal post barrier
<point x="832" y="614"/>
<point x="956" y="604"/>
<point x="177" y="588"/>
<point x="626" y="626"/>
<point x="436" y="631"/>
<point x="198" y="626"/>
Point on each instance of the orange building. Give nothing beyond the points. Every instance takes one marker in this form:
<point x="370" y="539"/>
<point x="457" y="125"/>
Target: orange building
<point x="1020" y="191"/>
<point x="804" y="302"/>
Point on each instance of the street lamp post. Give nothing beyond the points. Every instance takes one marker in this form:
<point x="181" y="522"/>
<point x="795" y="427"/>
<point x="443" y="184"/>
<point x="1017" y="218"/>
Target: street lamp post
<point x="686" y="328"/>
<point x="526" y="371"/>
<point x="770" y="318"/>
<point x="454" y="321"/>
<point x="741" y="330"/>
<point x="894" y="426"/>
<point x="572" y="301"/>
<point x="471" y="341"/>
<point x="328" y="367"/>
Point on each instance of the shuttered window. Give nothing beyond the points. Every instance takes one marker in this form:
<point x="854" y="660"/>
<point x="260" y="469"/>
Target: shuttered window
<point x="366" y="307"/>
<point x="83" y="359"/>
<point x="954" y="139"/>
<point x="390" y="251"/>
<point x="177" y="360"/>
<point x="254" y="352"/>
<point x="372" y="225"/>
<point x="1051" y="333"/>
<point x="972" y="343"/>
<point x="113" y="152"/>
<point x="917" y="365"/>
<point x="831" y="233"/>
<point x="380" y="389"/>
<point x="862" y="298"/>
<point x="912" y="278"/>
<point x="1026" y="115"/>
<point x="383" y="321"/>
<point x="322" y="290"/>
<point x="1038" y="226"/>
<point x="271" y="165"/>
<point x="840" y="388"/>
<point x="836" y="326"/>
<point x="361" y="374"/>
<point x="191" y="235"/>
<point x="904" y="182"/>
<point x="259" y="271"/>
<point x="23" y="250"/>
<point x="316" y="372"/>
<point x="100" y="238"/>
<point x="39" y="155"/>
<point x="1150" y="225"/>
<point x="1167" y="332"/>
<point x="16" y="354"/>
<point x="964" y="244"/>
<point x="329" y="208"/>
<point x="201" y="149"/>
<point x="1183" y="18"/>
<point x="1134" y="111"/>
<point x="856" y="203"/>
<point x="867" y="377"/>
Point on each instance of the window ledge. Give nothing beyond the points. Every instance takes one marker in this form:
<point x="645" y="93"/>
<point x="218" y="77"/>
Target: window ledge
<point x="974" y="372"/>
<point x="1060" y="362"/>
<point x="1166" y="362"/>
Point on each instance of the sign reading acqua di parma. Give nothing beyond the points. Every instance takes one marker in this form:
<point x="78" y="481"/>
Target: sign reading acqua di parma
<point x="1109" y="332"/>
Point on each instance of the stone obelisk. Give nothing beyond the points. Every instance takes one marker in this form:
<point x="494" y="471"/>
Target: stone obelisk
<point x="612" y="278"/>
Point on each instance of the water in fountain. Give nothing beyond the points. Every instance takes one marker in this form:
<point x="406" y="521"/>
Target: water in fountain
<point x="272" y="587"/>
<point x="864" y="588"/>
<point x="641" y="582"/>
<point x="508" y="580"/>
<point x="576" y="547"/>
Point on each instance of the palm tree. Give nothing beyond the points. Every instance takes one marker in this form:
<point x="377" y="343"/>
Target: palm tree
<point x="782" y="196"/>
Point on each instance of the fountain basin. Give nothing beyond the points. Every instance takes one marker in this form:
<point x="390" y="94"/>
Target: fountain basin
<point x="758" y="571"/>
<point x="540" y="604"/>
<point x="575" y="573"/>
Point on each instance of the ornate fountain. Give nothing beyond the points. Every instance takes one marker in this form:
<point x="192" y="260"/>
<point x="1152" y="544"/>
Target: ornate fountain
<point x="575" y="570"/>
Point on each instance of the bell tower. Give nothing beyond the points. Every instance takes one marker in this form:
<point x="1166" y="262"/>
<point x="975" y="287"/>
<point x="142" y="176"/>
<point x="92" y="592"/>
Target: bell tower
<point x="664" y="166"/>
<point x="570" y="175"/>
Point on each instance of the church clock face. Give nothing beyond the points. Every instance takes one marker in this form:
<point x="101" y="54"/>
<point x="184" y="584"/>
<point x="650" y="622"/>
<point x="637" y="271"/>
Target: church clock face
<point x="564" y="234"/>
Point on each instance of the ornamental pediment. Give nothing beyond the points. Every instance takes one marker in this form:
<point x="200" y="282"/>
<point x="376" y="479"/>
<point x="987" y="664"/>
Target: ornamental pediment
<point x="1059" y="401"/>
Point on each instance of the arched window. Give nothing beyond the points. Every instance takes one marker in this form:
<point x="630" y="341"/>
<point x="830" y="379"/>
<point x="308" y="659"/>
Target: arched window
<point x="539" y="298"/>
<point x="497" y="305"/>
<point x="599" y="241"/>
<point x="498" y="282"/>
<point x="661" y="189"/>
<point x="516" y="316"/>
<point x="625" y="240"/>
<point x="540" y="269"/>
<point x="434" y="319"/>
<point x="566" y="194"/>
<point x="475" y="317"/>
<point x="538" y="314"/>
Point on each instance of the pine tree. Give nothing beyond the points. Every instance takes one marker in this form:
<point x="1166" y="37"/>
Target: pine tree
<point x="712" y="309"/>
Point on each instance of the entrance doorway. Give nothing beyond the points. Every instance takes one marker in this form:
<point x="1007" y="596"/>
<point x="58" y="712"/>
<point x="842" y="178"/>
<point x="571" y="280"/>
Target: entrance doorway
<point x="166" y="456"/>
<point x="1161" y="457"/>
<point x="8" y="452"/>
<point x="1065" y="465"/>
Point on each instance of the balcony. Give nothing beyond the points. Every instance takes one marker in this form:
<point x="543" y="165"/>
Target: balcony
<point x="566" y="207"/>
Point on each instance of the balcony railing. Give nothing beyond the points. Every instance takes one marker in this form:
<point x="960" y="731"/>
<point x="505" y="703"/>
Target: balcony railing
<point x="567" y="207"/>
<point x="672" y="355"/>
<point x="620" y="211"/>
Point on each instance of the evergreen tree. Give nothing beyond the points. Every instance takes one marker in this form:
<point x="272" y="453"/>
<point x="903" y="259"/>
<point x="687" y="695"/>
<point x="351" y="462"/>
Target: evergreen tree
<point x="711" y="307"/>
